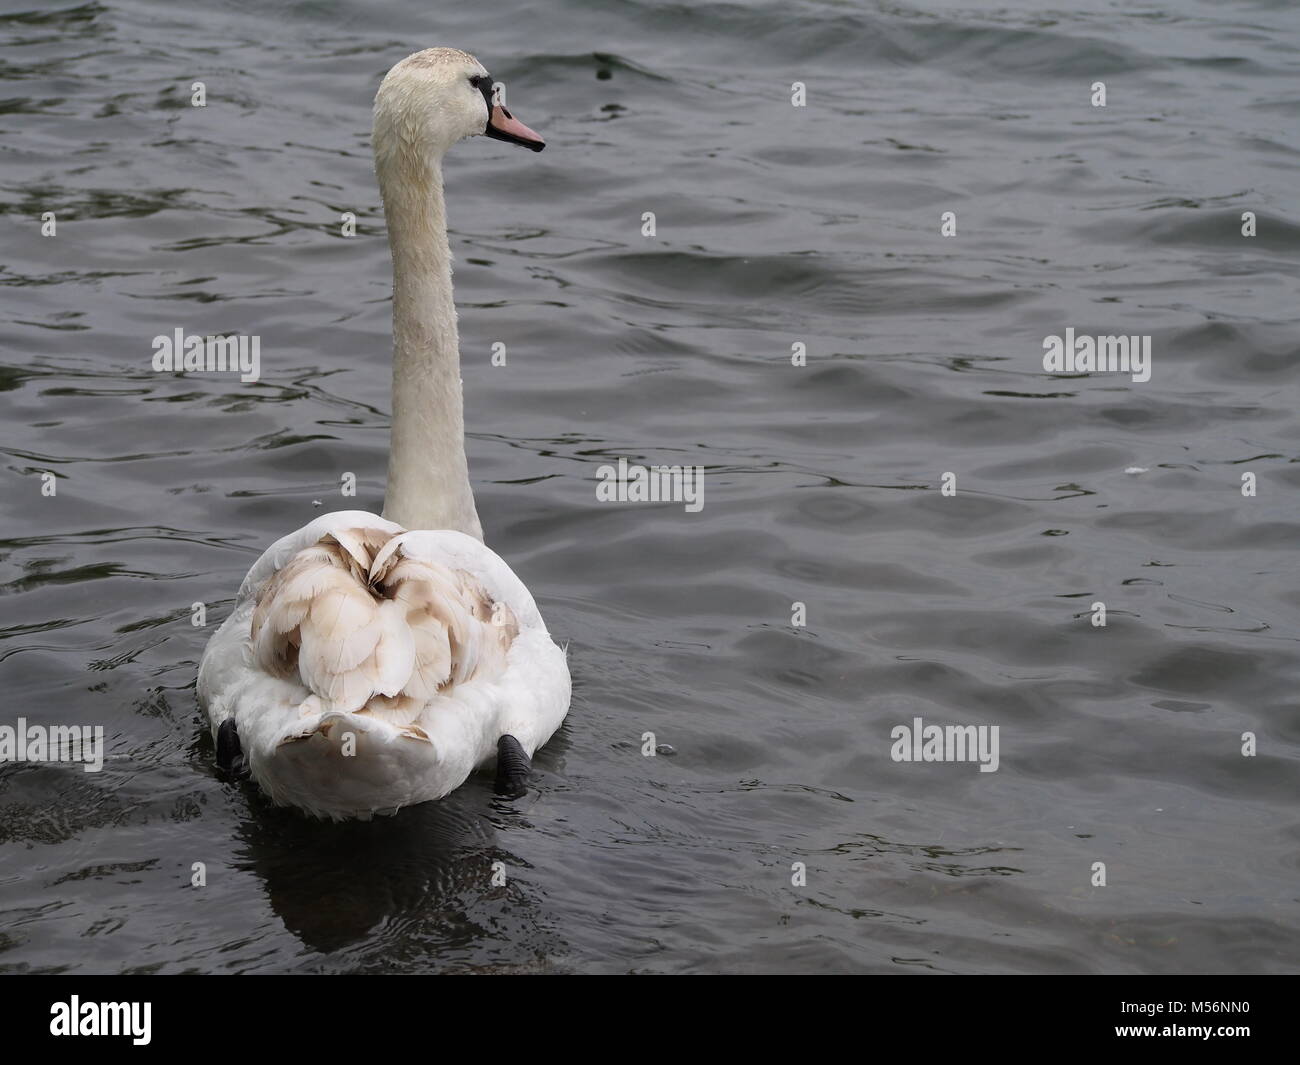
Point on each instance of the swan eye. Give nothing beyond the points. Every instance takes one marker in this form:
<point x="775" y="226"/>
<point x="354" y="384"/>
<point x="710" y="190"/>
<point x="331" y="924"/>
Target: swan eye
<point x="483" y="83"/>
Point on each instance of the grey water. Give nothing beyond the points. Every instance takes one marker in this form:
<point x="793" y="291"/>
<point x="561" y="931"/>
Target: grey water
<point x="773" y="831"/>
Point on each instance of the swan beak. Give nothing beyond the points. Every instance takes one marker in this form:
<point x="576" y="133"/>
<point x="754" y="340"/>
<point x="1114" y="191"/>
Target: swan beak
<point x="503" y="126"/>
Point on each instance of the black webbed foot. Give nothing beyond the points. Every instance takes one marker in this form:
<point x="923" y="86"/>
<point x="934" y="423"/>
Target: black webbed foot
<point x="513" y="768"/>
<point x="230" y="755"/>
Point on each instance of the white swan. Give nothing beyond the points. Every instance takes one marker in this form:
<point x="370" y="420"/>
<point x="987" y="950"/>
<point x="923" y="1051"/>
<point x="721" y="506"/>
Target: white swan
<point x="366" y="667"/>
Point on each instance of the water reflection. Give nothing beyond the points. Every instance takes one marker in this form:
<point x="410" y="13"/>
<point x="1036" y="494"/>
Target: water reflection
<point x="425" y="874"/>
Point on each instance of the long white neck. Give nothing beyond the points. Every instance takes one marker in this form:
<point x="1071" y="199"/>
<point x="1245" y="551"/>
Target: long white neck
<point x="428" y="478"/>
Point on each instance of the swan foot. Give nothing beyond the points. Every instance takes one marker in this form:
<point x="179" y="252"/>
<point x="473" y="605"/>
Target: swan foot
<point x="230" y="755"/>
<point x="513" y="768"/>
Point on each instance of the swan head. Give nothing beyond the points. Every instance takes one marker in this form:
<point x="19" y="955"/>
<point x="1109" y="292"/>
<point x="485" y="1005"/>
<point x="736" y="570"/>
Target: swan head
<point x="434" y="98"/>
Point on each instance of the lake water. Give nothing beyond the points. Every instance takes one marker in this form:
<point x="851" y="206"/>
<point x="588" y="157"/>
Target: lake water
<point x="776" y="225"/>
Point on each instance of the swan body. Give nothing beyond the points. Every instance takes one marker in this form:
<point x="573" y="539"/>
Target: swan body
<point x="374" y="662"/>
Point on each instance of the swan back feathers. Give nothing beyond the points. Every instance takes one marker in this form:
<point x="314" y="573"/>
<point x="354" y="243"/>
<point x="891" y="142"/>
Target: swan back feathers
<point x="368" y="629"/>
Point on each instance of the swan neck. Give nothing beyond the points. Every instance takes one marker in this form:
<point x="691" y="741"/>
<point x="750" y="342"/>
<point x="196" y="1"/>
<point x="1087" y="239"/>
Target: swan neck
<point x="428" y="476"/>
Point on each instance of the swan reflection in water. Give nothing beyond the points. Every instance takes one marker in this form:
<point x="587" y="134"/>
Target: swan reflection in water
<point x="433" y="880"/>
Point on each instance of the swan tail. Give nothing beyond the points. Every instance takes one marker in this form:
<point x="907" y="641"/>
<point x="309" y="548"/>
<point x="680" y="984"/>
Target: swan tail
<point x="369" y="630"/>
<point x="339" y="765"/>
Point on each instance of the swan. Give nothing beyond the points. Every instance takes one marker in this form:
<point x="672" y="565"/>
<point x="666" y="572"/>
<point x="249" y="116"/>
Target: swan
<point x="373" y="662"/>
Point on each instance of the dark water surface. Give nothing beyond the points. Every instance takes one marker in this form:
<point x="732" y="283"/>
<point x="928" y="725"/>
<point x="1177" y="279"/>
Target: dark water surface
<point x="775" y="225"/>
